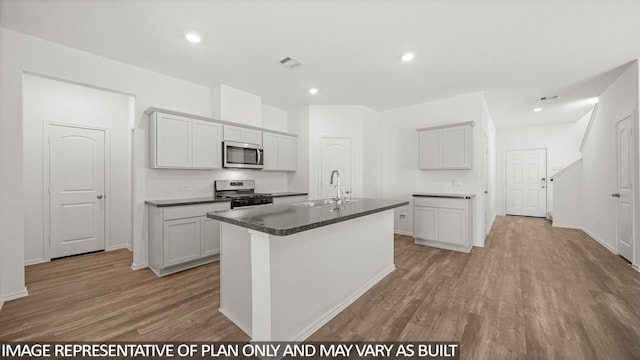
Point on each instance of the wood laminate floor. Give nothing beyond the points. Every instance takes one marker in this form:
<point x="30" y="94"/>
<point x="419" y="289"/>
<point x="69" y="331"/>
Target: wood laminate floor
<point x="533" y="292"/>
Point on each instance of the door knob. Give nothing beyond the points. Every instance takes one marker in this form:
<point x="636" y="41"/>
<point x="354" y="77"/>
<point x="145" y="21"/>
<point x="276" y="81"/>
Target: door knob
<point x="486" y="192"/>
<point x="99" y="196"/>
<point x="616" y="195"/>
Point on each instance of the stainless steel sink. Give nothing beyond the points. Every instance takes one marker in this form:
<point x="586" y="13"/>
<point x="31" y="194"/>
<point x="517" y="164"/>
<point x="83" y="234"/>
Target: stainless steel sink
<point x="323" y="203"/>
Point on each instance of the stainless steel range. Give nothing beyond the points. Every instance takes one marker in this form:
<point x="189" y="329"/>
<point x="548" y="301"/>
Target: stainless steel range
<point x="241" y="192"/>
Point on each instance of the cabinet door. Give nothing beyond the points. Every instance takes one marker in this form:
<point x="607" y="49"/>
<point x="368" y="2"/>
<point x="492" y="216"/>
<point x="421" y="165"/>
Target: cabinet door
<point x="252" y="136"/>
<point x="181" y="240"/>
<point x="288" y="153"/>
<point x="425" y="223"/>
<point x="271" y="145"/>
<point x="451" y="226"/>
<point x="455" y="148"/>
<point x="173" y="141"/>
<point x="430" y="149"/>
<point x="210" y="237"/>
<point x="232" y="133"/>
<point x="206" y="145"/>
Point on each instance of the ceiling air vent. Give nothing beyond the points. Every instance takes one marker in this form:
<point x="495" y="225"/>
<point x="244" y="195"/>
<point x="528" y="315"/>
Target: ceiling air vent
<point x="290" y="63"/>
<point x="553" y="97"/>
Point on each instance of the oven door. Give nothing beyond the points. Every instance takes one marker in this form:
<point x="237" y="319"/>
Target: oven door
<point x="242" y="155"/>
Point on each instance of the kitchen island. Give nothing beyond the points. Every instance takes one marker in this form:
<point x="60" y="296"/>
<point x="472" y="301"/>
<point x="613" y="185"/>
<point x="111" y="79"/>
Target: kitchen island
<point x="286" y="270"/>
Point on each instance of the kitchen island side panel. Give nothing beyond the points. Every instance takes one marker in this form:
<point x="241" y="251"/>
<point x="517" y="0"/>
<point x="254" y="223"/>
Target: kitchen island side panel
<point x="318" y="273"/>
<point x="284" y="288"/>
<point x="235" y="275"/>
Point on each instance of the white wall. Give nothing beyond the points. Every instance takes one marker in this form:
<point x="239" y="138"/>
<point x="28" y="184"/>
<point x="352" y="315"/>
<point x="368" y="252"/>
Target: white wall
<point x="6" y="230"/>
<point x="490" y="170"/>
<point x="599" y="158"/>
<point x="339" y="121"/>
<point x="373" y="147"/>
<point x="567" y="197"/>
<point x="274" y="118"/>
<point x="562" y="142"/>
<point x="402" y="178"/>
<point x="21" y="53"/>
<point x="47" y="100"/>
<point x="237" y="106"/>
<point x="298" y="123"/>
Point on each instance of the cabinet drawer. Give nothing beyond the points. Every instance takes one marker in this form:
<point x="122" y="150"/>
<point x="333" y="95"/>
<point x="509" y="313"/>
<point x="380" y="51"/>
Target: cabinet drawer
<point x="181" y="212"/>
<point x="439" y="202"/>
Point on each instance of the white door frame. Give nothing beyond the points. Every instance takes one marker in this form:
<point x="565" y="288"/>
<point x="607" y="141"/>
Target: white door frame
<point x="322" y="137"/>
<point x="46" y="234"/>
<point x="504" y="176"/>
<point x="485" y="191"/>
<point x="636" y="202"/>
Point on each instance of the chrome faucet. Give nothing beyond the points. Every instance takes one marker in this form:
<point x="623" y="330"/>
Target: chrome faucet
<point x="338" y="197"/>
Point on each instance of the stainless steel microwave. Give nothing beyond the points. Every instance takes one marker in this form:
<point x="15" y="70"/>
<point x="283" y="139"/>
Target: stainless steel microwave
<point x="242" y="155"/>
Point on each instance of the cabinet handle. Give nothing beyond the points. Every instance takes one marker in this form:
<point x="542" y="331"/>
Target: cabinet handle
<point x="616" y="195"/>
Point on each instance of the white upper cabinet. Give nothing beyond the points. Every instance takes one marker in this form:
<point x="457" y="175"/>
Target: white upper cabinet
<point x="288" y="153"/>
<point x="172" y="140"/>
<point x="207" y="144"/>
<point x="179" y="142"/>
<point x="241" y="134"/>
<point x="447" y="147"/>
<point x="279" y="152"/>
<point x="271" y="146"/>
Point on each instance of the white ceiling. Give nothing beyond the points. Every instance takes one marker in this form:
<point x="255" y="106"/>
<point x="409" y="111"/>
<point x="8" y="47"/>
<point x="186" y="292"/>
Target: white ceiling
<point x="514" y="50"/>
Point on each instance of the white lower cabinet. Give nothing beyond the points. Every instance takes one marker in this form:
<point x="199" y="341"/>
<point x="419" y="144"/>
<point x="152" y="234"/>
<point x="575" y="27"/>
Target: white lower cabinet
<point x="182" y="237"/>
<point x="444" y="222"/>
<point x="210" y="237"/>
<point x="181" y="241"/>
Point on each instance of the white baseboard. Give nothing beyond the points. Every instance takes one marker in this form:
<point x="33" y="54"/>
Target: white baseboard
<point x="135" y="266"/>
<point x="16" y="295"/>
<point x="121" y="246"/>
<point x="567" y="226"/>
<point x="636" y="267"/>
<point x="400" y="232"/>
<point x="35" y="262"/>
<point x="594" y="237"/>
<point x="322" y="320"/>
<point x="240" y="324"/>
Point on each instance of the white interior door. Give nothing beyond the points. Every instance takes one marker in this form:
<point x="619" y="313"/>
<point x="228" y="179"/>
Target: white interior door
<point x="485" y="197"/>
<point x="624" y="133"/>
<point x="76" y="190"/>
<point x="335" y="154"/>
<point x="526" y="182"/>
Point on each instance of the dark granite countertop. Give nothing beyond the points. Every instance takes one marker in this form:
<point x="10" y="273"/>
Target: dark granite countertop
<point x="288" y="219"/>
<point x="283" y="194"/>
<point x="186" y="201"/>
<point x="446" y="195"/>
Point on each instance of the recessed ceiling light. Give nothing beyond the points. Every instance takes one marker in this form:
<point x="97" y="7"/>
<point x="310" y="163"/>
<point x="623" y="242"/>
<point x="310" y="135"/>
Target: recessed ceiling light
<point x="537" y="109"/>
<point x="194" y="38"/>
<point x="408" y="57"/>
<point x="313" y="91"/>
